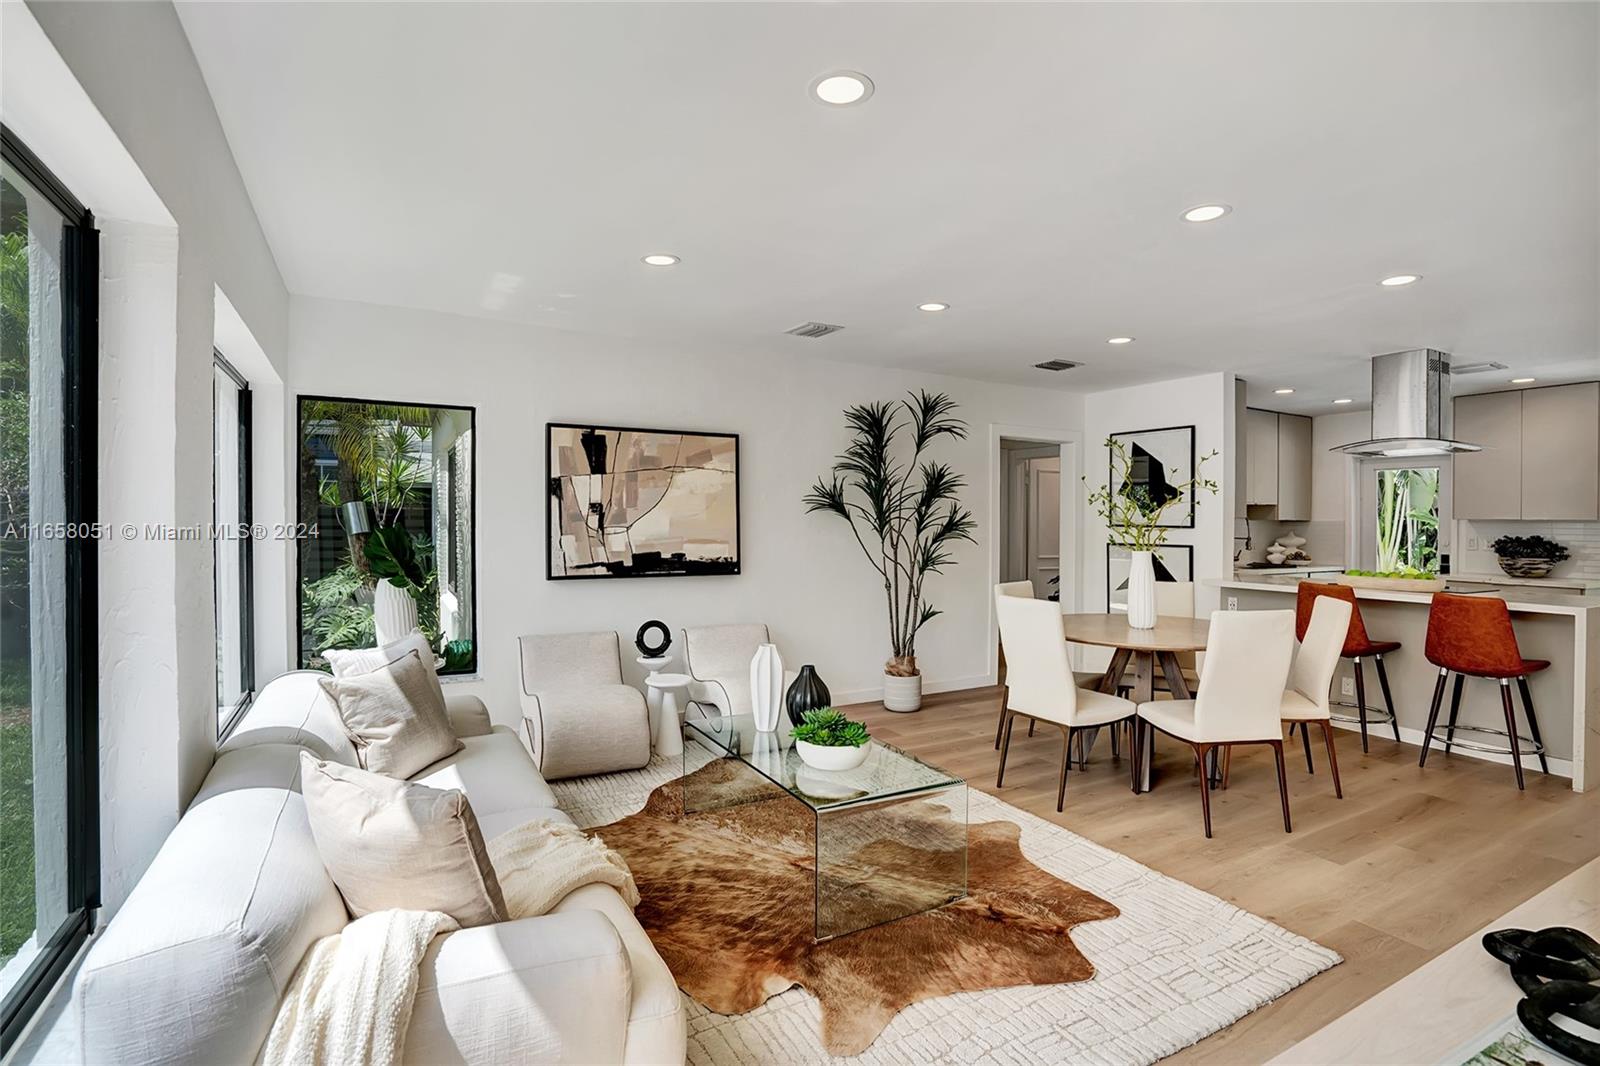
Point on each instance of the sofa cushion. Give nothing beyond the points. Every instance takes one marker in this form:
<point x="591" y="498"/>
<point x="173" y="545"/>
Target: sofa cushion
<point x="397" y="844"/>
<point x="191" y="968"/>
<point x="492" y="825"/>
<point x="395" y="716"/>
<point x="494" y="771"/>
<point x="293" y="709"/>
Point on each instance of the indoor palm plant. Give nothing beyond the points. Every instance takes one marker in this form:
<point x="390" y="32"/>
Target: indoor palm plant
<point x="1133" y="514"/>
<point x="905" y="512"/>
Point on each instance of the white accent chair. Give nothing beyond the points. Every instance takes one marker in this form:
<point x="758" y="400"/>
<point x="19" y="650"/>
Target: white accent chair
<point x="718" y="658"/>
<point x="1311" y="676"/>
<point x="1240" y="699"/>
<point x="1086" y="678"/>
<point x="1040" y="684"/>
<point x="578" y="716"/>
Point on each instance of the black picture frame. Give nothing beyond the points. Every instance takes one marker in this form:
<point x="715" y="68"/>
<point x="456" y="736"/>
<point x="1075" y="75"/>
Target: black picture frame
<point x="1166" y="555"/>
<point x="736" y="568"/>
<point x="1186" y="436"/>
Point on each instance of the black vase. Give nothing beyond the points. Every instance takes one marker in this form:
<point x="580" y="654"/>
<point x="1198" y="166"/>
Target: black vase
<point x="808" y="693"/>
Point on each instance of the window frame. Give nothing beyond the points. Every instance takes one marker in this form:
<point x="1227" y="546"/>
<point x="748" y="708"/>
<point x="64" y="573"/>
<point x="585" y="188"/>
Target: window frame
<point x="300" y="400"/>
<point x="80" y="293"/>
<point x="246" y="620"/>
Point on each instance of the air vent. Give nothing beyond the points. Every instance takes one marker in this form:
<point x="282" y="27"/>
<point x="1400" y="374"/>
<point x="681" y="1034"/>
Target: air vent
<point x="813" y="329"/>
<point x="1474" y="368"/>
<point x="1056" y="365"/>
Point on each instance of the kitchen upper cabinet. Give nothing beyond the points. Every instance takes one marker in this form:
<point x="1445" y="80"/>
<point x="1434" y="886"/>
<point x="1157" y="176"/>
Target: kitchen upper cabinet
<point x="1541" y="451"/>
<point x="1561" y="452"/>
<point x="1278" y="463"/>
<point x="1488" y="483"/>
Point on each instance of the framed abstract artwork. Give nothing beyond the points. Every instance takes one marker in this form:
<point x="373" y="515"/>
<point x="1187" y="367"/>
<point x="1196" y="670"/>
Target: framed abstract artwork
<point x="1173" y="562"/>
<point x="1160" y="460"/>
<point x="624" y="502"/>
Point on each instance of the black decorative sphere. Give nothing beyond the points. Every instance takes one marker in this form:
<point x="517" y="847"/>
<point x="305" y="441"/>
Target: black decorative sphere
<point x="646" y="647"/>
<point x="808" y="693"/>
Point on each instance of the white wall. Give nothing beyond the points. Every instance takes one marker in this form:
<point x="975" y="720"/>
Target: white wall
<point x="802" y="574"/>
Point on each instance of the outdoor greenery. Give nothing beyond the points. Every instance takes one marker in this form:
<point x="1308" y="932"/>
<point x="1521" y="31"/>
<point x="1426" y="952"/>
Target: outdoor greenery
<point x="829" y="728"/>
<point x="905" y="511"/>
<point x="1408" y="520"/>
<point x="1131" y="514"/>
<point x="16" y="807"/>
<point x="1534" y="547"/>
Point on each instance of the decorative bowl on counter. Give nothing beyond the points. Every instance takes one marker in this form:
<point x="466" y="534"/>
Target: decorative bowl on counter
<point x="1397" y="582"/>
<point x="1527" y="567"/>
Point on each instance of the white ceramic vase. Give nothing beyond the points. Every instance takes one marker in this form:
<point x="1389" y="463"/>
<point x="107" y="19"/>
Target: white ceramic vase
<point x="394" y="613"/>
<point x="1142" y="591"/>
<point x="902" y="693"/>
<point x="766" y="687"/>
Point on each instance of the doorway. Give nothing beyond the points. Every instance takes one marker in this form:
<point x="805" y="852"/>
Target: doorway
<point x="1031" y="516"/>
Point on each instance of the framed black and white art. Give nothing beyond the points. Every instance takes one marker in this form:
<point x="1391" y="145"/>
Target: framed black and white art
<point x="1173" y="562"/>
<point x="1162" y="462"/>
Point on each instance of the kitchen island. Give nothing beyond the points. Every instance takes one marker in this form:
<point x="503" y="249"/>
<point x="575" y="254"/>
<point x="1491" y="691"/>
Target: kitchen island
<point x="1563" y="627"/>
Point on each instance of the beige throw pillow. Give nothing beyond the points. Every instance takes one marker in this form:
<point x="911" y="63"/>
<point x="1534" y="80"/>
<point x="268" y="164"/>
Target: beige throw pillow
<point x="395" y="716"/>
<point x="396" y="844"/>
<point x="348" y="662"/>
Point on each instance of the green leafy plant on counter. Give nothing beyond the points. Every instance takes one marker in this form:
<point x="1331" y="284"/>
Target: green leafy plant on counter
<point x="1530" y="548"/>
<point x="1407" y="575"/>
<point x="828" y="728"/>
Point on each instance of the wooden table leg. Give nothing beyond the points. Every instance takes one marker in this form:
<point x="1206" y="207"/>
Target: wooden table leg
<point x="1144" y="686"/>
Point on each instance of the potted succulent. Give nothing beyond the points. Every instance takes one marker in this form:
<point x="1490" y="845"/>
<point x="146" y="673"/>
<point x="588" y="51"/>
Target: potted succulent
<point x="1528" y="556"/>
<point x="827" y="740"/>
<point x="905" y="511"/>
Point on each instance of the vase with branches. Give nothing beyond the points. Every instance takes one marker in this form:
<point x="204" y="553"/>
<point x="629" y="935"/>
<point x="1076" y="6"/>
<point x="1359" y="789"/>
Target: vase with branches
<point x="904" y="510"/>
<point x="1133" y="514"/>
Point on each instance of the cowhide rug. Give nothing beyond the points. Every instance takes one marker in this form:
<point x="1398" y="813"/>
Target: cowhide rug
<point x="728" y="896"/>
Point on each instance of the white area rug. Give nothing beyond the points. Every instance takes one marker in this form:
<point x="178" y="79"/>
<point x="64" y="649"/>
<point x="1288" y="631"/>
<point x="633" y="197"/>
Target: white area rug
<point x="1176" y="966"/>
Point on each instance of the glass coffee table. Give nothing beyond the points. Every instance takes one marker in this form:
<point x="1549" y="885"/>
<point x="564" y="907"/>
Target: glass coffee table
<point x="891" y="835"/>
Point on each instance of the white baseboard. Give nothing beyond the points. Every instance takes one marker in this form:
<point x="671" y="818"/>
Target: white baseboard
<point x="1413" y="737"/>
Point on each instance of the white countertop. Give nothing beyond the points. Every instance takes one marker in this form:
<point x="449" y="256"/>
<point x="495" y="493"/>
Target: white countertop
<point x="1487" y="578"/>
<point x="1518" y="598"/>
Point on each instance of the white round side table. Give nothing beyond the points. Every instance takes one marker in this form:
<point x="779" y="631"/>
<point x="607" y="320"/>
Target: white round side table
<point x="667" y="727"/>
<point x="653" y="665"/>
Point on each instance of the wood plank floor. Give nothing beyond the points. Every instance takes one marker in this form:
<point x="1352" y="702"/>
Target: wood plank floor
<point x="1408" y="863"/>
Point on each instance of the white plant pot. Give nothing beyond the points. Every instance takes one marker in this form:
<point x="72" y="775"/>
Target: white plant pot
<point x="394" y="613"/>
<point x="766" y="687"/>
<point x="902" y="693"/>
<point x="1142" y="591"/>
<point x="825" y="758"/>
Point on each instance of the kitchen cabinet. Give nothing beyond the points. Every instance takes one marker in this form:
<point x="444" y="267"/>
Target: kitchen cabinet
<point x="1278" y="464"/>
<point x="1541" y="454"/>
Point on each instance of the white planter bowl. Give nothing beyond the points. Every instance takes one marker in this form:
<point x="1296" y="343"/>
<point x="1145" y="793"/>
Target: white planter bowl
<point x="826" y="758"/>
<point x="902" y="693"/>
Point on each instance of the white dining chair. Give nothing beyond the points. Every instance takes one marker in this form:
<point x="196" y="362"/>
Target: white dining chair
<point x="1024" y="590"/>
<point x="1240" y="699"/>
<point x="1040" y="685"/>
<point x="1305" y="700"/>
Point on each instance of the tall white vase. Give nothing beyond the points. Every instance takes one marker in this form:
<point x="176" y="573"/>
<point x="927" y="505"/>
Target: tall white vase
<point x="394" y="613"/>
<point x="766" y="687"/>
<point x="1142" y="591"/>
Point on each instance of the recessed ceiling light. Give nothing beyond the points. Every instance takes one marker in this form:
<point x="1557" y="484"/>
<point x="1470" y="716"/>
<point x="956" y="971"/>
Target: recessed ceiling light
<point x="1344" y="400"/>
<point x="1120" y="340"/>
<point x="660" y="260"/>
<point x="1206" y="213"/>
<point x="1282" y="392"/>
<point x="1400" y="279"/>
<point x="842" y="88"/>
<point x="1523" y="381"/>
<point x="935" y="306"/>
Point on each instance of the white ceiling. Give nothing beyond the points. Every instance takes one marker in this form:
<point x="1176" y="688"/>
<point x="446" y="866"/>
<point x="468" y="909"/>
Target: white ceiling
<point x="1026" y="164"/>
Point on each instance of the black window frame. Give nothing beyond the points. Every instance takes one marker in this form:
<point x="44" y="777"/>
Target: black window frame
<point x="246" y="619"/>
<point x="80" y="292"/>
<point x="305" y="521"/>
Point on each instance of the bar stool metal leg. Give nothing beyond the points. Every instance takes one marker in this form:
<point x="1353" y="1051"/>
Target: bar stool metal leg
<point x="1433" y="715"/>
<point x="1511" y="728"/>
<point x="1533" y="724"/>
<point x="1361" y="699"/>
<point x="1388" y="699"/>
<point x="1455" y="709"/>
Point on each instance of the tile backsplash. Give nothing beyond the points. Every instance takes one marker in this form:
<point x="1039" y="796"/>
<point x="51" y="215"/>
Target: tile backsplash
<point x="1582" y="539"/>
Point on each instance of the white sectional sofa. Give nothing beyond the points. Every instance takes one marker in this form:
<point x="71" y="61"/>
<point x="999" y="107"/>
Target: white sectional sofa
<point x="191" y="969"/>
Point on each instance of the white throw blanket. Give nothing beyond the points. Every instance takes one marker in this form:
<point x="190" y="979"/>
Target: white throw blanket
<point x="350" y="1001"/>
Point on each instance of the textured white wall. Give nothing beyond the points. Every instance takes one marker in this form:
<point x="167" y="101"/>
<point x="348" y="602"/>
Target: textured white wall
<point x="802" y="574"/>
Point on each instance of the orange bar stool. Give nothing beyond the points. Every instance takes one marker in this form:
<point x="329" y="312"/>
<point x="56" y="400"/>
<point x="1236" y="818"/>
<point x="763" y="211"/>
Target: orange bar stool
<point x="1357" y="646"/>
<point x="1472" y="636"/>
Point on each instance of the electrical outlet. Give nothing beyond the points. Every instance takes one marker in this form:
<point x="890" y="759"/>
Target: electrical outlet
<point x="1347" y="686"/>
<point x="1233" y="603"/>
<point x="1472" y="544"/>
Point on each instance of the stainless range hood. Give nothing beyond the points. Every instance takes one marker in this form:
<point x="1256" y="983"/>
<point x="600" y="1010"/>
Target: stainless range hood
<point x="1411" y="409"/>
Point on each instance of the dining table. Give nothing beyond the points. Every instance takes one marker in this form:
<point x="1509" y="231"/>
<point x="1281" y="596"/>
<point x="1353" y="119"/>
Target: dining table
<point x="1145" y="651"/>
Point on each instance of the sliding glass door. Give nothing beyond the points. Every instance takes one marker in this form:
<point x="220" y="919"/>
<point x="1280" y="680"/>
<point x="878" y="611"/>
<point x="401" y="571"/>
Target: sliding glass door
<point x="48" y="852"/>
